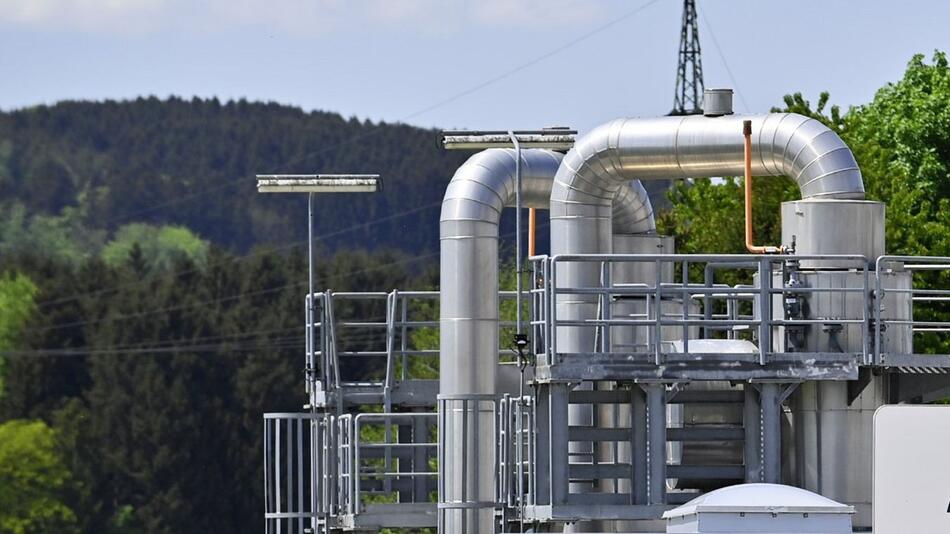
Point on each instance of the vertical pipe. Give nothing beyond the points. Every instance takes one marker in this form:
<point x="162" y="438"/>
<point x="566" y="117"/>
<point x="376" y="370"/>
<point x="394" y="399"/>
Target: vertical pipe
<point x="747" y="184"/>
<point x="532" y="231"/>
<point x="771" y="433"/>
<point x="518" y="208"/>
<point x="310" y="302"/>
<point x="656" y="442"/>
<point x="765" y="309"/>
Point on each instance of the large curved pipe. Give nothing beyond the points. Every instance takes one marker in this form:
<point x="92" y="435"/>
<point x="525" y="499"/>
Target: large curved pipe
<point x="592" y="172"/>
<point x="471" y="212"/>
<point x="694" y="146"/>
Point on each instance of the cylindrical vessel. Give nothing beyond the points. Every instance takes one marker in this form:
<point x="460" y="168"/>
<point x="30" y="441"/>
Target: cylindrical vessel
<point x="838" y="227"/>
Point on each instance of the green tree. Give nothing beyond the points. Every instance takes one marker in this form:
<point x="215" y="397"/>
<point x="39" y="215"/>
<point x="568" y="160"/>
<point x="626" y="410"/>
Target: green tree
<point x="33" y="479"/>
<point x="160" y="246"/>
<point x="16" y="305"/>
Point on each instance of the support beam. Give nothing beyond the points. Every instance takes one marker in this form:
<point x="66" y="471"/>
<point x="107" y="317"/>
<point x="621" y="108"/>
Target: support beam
<point x="752" y="423"/>
<point x="656" y="442"/>
<point x="638" y="445"/>
<point x="559" y="443"/>
<point x="771" y="409"/>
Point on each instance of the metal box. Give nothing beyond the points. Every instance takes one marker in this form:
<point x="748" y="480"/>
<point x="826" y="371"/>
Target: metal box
<point x="760" y="509"/>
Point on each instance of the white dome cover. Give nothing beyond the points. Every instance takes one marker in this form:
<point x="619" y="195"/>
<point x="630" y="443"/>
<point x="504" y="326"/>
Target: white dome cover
<point x="762" y="498"/>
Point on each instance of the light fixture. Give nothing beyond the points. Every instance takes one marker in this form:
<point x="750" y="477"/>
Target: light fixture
<point x="318" y="183"/>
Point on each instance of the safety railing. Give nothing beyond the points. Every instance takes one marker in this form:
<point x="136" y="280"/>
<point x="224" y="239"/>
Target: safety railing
<point x="296" y="474"/>
<point x="345" y="326"/>
<point x="517" y="451"/>
<point x="670" y="306"/>
<point x="385" y="458"/>
<point x="917" y="306"/>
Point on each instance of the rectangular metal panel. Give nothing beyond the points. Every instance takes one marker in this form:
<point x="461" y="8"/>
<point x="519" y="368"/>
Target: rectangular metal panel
<point x="910" y="467"/>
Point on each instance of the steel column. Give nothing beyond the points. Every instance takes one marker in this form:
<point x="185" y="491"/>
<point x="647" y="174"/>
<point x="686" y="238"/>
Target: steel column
<point x="656" y="442"/>
<point x="752" y="424"/>
<point x="771" y="410"/>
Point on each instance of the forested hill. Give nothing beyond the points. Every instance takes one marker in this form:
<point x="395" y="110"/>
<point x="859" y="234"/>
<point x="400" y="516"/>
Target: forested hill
<point x="87" y="168"/>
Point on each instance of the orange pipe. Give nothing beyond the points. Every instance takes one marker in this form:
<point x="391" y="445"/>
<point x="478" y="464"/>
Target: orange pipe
<point x="532" y="226"/>
<point x="755" y="249"/>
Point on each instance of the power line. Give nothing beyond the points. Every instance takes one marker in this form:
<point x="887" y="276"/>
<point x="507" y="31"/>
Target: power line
<point x="457" y="96"/>
<point x="206" y="303"/>
<point x="244" y="257"/>
<point x="234" y="297"/>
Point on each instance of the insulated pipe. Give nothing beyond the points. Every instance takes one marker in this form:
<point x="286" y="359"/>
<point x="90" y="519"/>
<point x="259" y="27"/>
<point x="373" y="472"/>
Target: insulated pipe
<point x="471" y="211"/>
<point x="747" y="186"/>
<point x="692" y="146"/>
<point x="676" y="147"/>
<point x="532" y="231"/>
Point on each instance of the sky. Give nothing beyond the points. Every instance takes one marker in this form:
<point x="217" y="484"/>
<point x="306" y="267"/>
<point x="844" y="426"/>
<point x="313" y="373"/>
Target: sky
<point x="486" y="64"/>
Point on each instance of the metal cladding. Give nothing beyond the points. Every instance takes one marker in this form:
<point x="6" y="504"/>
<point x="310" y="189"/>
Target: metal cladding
<point x="697" y="146"/>
<point x="471" y="211"/>
<point x="717" y="102"/>
<point x="678" y="147"/>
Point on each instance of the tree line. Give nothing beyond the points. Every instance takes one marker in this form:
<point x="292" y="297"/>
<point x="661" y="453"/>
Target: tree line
<point x="144" y="330"/>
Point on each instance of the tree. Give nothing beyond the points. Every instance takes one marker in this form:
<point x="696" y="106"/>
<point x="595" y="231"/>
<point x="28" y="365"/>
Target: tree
<point x="33" y="478"/>
<point x="16" y="304"/>
<point x="160" y="247"/>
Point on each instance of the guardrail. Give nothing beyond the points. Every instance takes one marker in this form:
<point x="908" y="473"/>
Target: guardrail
<point x="397" y="467"/>
<point x="295" y="474"/>
<point x="928" y="315"/>
<point x="517" y="451"/>
<point x="682" y="293"/>
<point x="342" y="326"/>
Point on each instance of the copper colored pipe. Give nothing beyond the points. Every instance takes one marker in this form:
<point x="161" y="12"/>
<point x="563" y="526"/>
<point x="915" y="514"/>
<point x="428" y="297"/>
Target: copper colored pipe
<point x="532" y="226"/>
<point x="755" y="249"/>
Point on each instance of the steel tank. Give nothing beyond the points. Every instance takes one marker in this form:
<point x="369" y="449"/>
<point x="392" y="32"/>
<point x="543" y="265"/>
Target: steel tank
<point x="827" y="446"/>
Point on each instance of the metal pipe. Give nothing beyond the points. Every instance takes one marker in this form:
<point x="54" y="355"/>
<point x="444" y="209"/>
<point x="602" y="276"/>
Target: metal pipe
<point x="592" y="172"/>
<point x="747" y="183"/>
<point x="519" y="267"/>
<point x="680" y="147"/>
<point x="311" y="307"/>
<point x="532" y="231"/>
<point x="471" y="212"/>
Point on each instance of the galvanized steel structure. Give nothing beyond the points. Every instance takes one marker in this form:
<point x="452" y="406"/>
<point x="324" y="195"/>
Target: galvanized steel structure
<point x="647" y="381"/>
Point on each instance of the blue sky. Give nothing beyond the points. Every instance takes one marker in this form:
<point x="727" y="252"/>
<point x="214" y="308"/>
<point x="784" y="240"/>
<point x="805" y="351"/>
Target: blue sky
<point x="400" y="60"/>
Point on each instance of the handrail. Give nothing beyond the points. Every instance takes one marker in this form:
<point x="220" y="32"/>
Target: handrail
<point x="920" y="263"/>
<point x="656" y="317"/>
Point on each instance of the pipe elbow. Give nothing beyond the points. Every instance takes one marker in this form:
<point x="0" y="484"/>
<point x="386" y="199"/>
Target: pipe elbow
<point x="485" y="184"/>
<point x="811" y="154"/>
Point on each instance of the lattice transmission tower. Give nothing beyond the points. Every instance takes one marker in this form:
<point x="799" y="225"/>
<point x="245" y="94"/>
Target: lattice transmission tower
<point x="688" y="99"/>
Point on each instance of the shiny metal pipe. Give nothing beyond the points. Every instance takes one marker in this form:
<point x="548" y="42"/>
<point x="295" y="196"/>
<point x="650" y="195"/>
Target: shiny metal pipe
<point x="471" y="212"/>
<point x="592" y="172"/>
<point x="694" y="146"/>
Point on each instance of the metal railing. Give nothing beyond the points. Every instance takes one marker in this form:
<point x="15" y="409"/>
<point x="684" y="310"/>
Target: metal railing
<point x="376" y="325"/>
<point x="295" y="473"/>
<point x="322" y="466"/>
<point x="923" y="312"/>
<point x="655" y="320"/>
<point x="373" y="455"/>
<point x="517" y="450"/>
